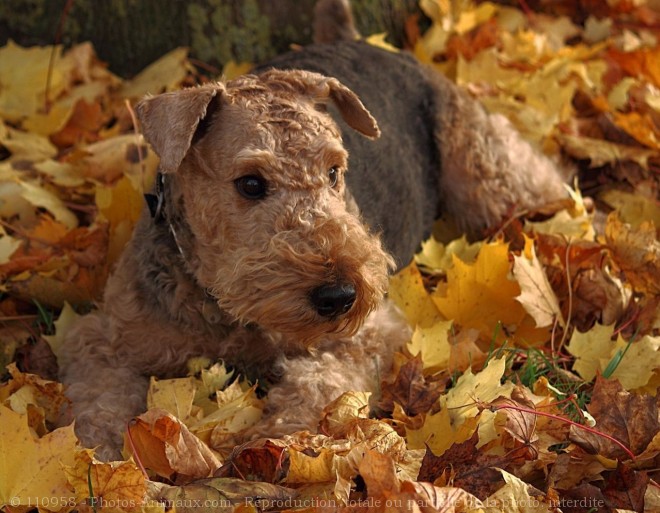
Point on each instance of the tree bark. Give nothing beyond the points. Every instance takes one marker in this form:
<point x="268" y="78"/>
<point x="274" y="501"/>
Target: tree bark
<point x="130" y="34"/>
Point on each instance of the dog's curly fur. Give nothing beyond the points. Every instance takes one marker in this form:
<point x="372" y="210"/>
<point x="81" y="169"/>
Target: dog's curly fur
<point x="229" y="277"/>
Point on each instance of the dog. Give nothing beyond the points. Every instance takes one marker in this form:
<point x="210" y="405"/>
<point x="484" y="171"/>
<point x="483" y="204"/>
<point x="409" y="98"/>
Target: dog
<point x="284" y="200"/>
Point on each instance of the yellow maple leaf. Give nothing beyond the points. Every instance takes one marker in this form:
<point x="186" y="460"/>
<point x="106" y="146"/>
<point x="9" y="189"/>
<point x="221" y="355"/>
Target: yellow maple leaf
<point x="595" y="349"/>
<point x="438" y="256"/>
<point x="237" y="409"/>
<point x="481" y="296"/>
<point x="121" y="205"/>
<point x="461" y="411"/>
<point x="316" y="468"/>
<point x="438" y="433"/>
<point x="23" y="78"/>
<point x="172" y="395"/>
<point x="31" y="468"/>
<point x="432" y="344"/>
<point x="573" y="223"/>
<point x="408" y="293"/>
<point x="116" y="486"/>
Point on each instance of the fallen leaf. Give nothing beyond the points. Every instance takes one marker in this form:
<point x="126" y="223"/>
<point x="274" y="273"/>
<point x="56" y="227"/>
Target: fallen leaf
<point x="259" y="460"/>
<point x="408" y="293"/>
<point x="165" y="445"/>
<point x="117" y="486"/>
<point x="625" y="488"/>
<point x="595" y="349"/>
<point x="412" y="391"/>
<point x="175" y="396"/>
<point x="637" y="252"/>
<point x="432" y="346"/>
<point x="31" y="468"/>
<point x="41" y="197"/>
<point x="516" y="496"/>
<point x="632" y="419"/>
<point x="464" y="466"/>
<point x="537" y="296"/>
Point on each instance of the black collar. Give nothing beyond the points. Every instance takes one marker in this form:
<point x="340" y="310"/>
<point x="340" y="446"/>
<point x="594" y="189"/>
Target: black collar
<point x="156" y="202"/>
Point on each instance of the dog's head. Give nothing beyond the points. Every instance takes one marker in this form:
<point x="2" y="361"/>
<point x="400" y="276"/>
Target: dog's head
<point x="256" y="167"/>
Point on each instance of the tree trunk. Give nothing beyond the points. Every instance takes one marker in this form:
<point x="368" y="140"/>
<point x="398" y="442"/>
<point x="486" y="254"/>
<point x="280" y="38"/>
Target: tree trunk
<point x="130" y="34"/>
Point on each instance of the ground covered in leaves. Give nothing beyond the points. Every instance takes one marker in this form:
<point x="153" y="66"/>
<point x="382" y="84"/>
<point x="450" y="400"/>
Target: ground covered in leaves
<point x="530" y="382"/>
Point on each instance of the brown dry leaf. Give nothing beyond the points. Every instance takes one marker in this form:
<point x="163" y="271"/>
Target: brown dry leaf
<point x="412" y="391"/>
<point x="595" y="294"/>
<point x="165" y="445"/>
<point x="379" y="474"/>
<point x="465" y="353"/>
<point x="259" y="460"/>
<point x="625" y="488"/>
<point x="83" y="125"/>
<point x="117" y="486"/>
<point x="464" y="466"/>
<point x="637" y="252"/>
<point x="32" y="467"/>
<point x="521" y="425"/>
<point x="111" y="159"/>
<point x="443" y="500"/>
<point x="23" y="390"/>
<point x="343" y="412"/>
<point x="571" y="469"/>
<point x="630" y="418"/>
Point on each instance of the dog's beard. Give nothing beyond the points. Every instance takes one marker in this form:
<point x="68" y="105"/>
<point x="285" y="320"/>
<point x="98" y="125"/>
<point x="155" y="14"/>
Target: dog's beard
<point x="271" y="287"/>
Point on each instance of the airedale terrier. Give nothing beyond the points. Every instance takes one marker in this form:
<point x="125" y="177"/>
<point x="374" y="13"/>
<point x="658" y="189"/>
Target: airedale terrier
<point x="263" y="249"/>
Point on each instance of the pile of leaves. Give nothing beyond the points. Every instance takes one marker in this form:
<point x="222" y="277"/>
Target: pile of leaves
<point x="530" y="381"/>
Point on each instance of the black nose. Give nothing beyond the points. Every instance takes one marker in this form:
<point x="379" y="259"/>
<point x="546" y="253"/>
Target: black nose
<point x="333" y="300"/>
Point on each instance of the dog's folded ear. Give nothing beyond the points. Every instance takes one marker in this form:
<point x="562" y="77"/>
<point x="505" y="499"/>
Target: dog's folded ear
<point x="169" y="121"/>
<point x="322" y="89"/>
<point x="352" y="110"/>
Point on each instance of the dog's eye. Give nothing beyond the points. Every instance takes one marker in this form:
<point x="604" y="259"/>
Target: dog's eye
<point x="333" y="176"/>
<point x="251" y="187"/>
